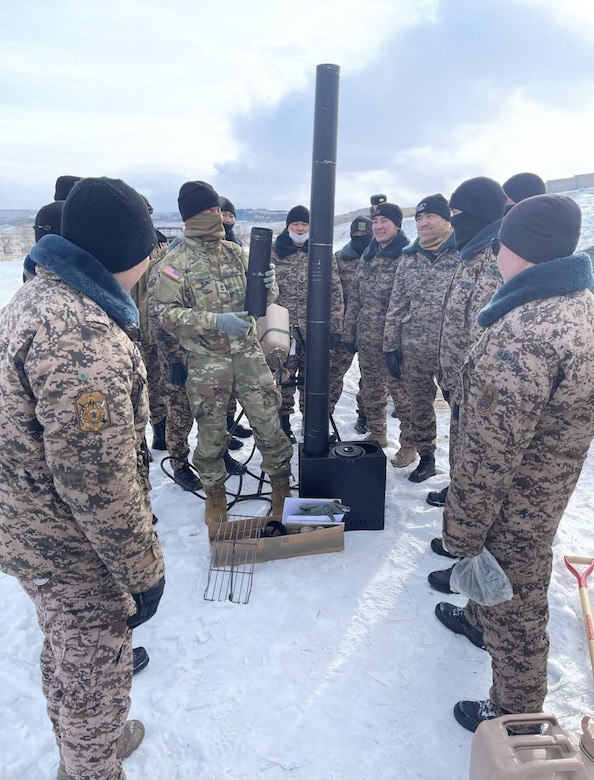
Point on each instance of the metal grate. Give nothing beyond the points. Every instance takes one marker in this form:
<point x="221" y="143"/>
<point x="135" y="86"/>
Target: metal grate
<point x="231" y="570"/>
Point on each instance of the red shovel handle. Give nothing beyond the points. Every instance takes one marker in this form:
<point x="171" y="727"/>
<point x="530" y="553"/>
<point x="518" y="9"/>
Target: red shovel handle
<point x="581" y="576"/>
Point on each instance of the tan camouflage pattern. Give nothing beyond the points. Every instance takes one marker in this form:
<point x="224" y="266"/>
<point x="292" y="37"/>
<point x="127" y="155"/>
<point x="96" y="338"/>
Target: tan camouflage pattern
<point x="139" y="294"/>
<point x="412" y="327"/>
<point x="75" y="502"/>
<point x="86" y="670"/>
<point x="209" y="278"/>
<point x="526" y="423"/>
<point x="474" y="283"/>
<point x="292" y="277"/>
<point x="364" y="324"/>
<point x="340" y="359"/>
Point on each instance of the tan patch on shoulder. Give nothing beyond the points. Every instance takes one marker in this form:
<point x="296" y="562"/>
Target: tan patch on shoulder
<point x="487" y="400"/>
<point x="92" y="412"/>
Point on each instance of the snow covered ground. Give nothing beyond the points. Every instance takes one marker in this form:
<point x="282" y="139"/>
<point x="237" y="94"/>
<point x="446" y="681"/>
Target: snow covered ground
<point x="336" y="669"/>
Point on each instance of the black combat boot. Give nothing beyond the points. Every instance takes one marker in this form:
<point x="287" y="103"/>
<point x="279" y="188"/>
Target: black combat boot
<point x="437" y="547"/>
<point x="425" y="469"/>
<point x="186" y="479"/>
<point x="440" y="580"/>
<point x="140" y="659"/>
<point x="234" y="444"/>
<point x="361" y="424"/>
<point x="437" y="497"/>
<point x="234" y="467"/>
<point x="286" y="428"/>
<point x="235" y="429"/>
<point x="159" y="436"/>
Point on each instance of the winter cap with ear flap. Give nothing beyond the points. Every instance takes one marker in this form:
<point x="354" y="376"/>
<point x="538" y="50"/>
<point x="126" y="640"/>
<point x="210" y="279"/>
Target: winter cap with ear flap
<point x="434" y="204"/>
<point x="297" y="214"/>
<point x="109" y="220"/>
<point x="194" y="197"/>
<point x="226" y="205"/>
<point x="63" y="186"/>
<point x="375" y="200"/>
<point x="524" y="185"/>
<point x="480" y="197"/>
<point x="361" y="225"/>
<point x="390" y="211"/>
<point x="541" y="228"/>
<point x="48" y="220"/>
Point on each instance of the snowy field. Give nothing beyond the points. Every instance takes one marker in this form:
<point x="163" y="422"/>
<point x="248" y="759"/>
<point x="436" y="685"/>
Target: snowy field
<point x="336" y="669"/>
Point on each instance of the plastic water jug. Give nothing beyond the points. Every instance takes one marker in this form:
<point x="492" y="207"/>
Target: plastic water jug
<point x="554" y="754"/>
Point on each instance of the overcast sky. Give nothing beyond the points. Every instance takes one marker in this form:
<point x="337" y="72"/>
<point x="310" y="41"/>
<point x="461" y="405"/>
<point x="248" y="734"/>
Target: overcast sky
<point x="431" y="92"/>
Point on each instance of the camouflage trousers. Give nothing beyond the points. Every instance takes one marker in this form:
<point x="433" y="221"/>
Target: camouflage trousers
<point x="340" y="362"/>
<point x="418" y="378"/>
<point x="296" y="373"/>
<point x="179" y="422"/>
<point x="375" y="384"/>
<point x="212" y="380"/>
<point x="86" y="670"/>
<point x="150" y="356"/>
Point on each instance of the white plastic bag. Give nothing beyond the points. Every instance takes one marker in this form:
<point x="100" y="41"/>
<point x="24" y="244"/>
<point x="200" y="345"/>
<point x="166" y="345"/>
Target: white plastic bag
<point x="482" y="579"/>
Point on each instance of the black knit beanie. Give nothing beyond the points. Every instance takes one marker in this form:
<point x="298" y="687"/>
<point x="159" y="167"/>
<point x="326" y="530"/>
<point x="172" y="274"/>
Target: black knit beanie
<point x="194" y="197"/>
<point x="434" y="204"/>
<point x="361" y="225"/>
<point x="390" y="211"/>
<point x="297" y="214"/>
<point x="375" y="200"/>
<point x="63" y="186"/>
<point x="226" y="205"/>
<point x="524" y="185"/>
<point x="48" y="220"/>
<point x="543" y="227"/>
<point x="109" y="220"/>
<point x="480" y="197"/>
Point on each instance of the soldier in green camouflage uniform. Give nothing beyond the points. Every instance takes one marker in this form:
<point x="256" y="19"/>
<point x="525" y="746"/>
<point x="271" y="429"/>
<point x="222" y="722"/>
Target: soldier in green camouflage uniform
<point x="365" y="319"/>
<point x="200" y="299"/>
<point x="347" y="260"/>
<point x="75" y="514"/>
<point x="527" y="421"/>
<point x="412" y="325"/>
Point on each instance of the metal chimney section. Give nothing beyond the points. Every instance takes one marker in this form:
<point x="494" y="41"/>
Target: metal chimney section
<point x="321" y="235"/>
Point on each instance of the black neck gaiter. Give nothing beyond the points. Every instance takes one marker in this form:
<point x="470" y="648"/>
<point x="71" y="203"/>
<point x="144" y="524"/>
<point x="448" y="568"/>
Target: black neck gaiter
<point x="466" y="228"/>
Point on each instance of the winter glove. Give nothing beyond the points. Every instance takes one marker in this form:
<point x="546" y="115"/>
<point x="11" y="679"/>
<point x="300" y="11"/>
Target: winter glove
<point x="146" y="604"/>
<point x="352" y="348"/>
<point x="335" y="340"/>
<point x="393" y="363"/>
<point x="232" y="323"/>
<point x="329" y="510"/>
<point x="269" y="277"/>
<point x="178" y="373"/>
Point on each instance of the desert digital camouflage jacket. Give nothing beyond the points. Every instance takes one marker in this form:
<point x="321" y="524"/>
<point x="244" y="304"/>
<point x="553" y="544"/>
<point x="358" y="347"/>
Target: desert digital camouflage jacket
<point x="198" y="280"/>
<point x="475" y="281"/>
<point x="73" y="412"/>
<point x="526" y="416"/>
<point x="370" y="292"/>
<point x="347" y="261"/>
<point x="413" y="319"/>
<point x="292" y="276"/>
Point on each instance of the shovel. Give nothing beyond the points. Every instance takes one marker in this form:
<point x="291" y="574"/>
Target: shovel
<point x="582" y="578"/>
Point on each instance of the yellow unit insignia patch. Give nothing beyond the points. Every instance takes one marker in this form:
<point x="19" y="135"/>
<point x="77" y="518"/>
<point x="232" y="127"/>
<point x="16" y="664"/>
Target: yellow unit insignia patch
<point x="92" y="412"/>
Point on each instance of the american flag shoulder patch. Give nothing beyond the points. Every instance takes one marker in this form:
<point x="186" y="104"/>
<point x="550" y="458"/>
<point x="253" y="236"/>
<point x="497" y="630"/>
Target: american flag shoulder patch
<point x="172" y="273"/>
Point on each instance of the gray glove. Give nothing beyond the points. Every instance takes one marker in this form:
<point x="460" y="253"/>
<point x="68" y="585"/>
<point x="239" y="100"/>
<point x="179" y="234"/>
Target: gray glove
<point x="329" y="510"/>
<point x="232" y="323"/>
<point x="269" y="277"/>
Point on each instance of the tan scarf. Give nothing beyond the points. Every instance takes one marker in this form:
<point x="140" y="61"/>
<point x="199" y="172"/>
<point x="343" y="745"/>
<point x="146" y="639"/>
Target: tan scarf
<point x="208" y="227"/>
<point x="433" y="238"/>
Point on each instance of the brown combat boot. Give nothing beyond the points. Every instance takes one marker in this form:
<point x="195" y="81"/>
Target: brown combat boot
<point x="280" y="491"/>
<point x="128" y="741"/>
<point x="216" y="504"/>
<point x="380" y="438"/>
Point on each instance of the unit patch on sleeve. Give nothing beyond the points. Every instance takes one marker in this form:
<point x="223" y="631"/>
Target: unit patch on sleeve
<point x="487" y="400"/>
<point x="172" y="273"/>
<point x="92" y="412"/>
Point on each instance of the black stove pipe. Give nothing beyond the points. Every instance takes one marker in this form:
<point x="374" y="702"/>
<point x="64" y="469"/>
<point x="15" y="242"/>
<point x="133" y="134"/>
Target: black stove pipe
<point x="319" y="286"/>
